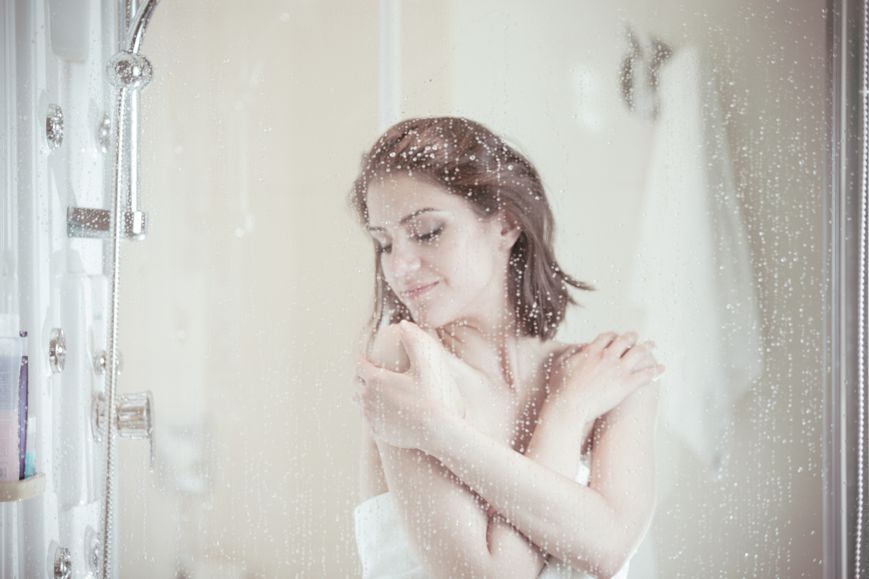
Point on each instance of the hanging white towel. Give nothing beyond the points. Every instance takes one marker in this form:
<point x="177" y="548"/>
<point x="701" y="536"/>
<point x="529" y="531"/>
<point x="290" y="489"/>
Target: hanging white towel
<point x="693" y="274"/>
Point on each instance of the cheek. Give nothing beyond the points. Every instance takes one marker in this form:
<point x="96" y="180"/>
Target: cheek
<point x="477" y="258"/>
<point x="385" y="267"/>
<point x="467" y="275"/>
<point x="388" y="278"/>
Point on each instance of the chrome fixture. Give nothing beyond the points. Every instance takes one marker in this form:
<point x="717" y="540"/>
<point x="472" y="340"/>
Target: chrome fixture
<point x="104" y="133"/>
<point x="98" y="416"/>
<point x="54" y="126"/>
<point x="128" y="72"/>
<point x="56" y="351"/>
<point x="83" y="222"/>
<point x="134" y="417"/>
<point x="101" y="360"/>
<point x="62" y="563"/>
<point x="92" y="550"/>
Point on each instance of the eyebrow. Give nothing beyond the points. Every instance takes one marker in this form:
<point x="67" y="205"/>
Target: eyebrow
<point x="406" y="218"/>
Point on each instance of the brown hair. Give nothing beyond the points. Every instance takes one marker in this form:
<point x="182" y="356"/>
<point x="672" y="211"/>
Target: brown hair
<point x="469" y="160"/>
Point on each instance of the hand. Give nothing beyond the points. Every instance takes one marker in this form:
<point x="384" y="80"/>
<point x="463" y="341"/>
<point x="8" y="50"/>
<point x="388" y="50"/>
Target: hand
<point x="403" y="408"/>
<point x="592" y="379"/>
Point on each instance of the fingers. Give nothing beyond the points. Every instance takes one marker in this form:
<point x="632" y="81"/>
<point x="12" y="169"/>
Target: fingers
<point x="647" y="375"/>
<point x="602" y="341"/>
<point x="369" y="372"/>
<point x="640" y="356"/>
<point x="622" y="343"/>
<point x="562" y="358"/>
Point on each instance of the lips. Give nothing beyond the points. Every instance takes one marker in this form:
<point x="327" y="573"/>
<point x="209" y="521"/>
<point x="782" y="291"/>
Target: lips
<point x="419" y="290"/>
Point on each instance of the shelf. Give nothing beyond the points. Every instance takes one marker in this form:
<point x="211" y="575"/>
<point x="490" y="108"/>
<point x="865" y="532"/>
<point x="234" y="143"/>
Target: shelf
<point x="19" y="490"/>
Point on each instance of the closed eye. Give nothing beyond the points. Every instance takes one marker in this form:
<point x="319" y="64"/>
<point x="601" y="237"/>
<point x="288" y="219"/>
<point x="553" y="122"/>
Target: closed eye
<point x="427" y="238"/>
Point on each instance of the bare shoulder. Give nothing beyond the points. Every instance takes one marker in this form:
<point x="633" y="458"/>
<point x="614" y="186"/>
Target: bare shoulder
<point x="638" y="411"/>
<point x="555" y="354"/>
<point x="386" y="350"/>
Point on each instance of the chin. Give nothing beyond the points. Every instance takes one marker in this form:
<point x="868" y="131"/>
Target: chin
<point x="427" y="317"/>
<point x="424" y="321"/>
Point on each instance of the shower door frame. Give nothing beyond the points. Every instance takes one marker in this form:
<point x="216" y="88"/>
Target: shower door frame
<point x="845" y="545"/>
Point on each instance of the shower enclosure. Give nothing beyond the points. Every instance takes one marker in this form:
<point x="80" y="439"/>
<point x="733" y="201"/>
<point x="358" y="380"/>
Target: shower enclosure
<point x="70" y="195"/>
<point x="234" y="285"/>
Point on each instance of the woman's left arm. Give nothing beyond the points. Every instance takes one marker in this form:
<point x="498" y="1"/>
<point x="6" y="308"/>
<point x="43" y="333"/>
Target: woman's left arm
<point x="595" y="528"/>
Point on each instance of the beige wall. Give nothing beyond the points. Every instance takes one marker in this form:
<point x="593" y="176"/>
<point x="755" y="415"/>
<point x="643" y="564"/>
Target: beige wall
<point x="241" y="310"/>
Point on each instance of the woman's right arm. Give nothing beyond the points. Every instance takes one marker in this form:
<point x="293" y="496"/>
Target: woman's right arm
<point x="446" y="522"/>
<point x="503" y="536"/>
<point x="372" y="481"/>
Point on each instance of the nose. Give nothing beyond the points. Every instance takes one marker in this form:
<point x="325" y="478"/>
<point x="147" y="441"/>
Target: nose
<point x="404" y="260"/>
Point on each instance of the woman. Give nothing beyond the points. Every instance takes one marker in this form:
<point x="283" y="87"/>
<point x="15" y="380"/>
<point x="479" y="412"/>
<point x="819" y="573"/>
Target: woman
<point x="479" y="425"/>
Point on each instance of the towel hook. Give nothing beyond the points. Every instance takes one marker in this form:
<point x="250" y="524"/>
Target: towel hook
<point x="639" y="73"/>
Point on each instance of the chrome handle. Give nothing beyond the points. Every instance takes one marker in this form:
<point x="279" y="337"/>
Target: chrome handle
<point x="134" y="418"/>
<point x="134" y="415"/>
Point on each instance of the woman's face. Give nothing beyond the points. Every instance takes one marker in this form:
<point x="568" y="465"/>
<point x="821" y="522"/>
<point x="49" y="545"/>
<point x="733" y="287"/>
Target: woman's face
<point x="443" y="261"/>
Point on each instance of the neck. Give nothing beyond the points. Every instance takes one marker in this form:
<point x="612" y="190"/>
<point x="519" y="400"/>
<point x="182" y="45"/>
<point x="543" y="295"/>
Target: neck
<point x="491" y="325"/>
<point x="494" y="349"/>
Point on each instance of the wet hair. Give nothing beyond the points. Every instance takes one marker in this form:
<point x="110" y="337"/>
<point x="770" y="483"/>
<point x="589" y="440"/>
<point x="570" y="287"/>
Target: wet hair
<point x="470" y="161"/>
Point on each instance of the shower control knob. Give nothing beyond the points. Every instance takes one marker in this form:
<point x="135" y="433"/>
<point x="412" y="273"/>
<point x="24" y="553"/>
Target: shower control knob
<point x="136" y="417"/>
<point x="129" y="70"/>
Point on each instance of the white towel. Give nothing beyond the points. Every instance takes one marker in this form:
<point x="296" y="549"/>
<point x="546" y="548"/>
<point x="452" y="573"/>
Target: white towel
<point x="382" y="543"/>
<point x="386" y="554"/>
<point x="693" y="273"/>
